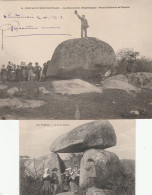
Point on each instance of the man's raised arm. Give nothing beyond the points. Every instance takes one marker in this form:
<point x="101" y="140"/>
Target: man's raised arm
<point x="77" y="14"/>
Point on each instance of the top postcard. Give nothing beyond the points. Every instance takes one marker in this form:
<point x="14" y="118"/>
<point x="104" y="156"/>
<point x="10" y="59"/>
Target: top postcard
<point x="83" y="60"/>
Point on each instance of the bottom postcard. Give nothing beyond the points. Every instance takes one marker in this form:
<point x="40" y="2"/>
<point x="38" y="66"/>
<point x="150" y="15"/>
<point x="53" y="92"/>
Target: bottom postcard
<point x="77" y="157"/>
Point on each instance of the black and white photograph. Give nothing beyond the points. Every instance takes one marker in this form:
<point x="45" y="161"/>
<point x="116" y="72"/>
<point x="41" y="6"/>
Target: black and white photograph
<point x="81" y="60"/>
<point x="77" y="157"/>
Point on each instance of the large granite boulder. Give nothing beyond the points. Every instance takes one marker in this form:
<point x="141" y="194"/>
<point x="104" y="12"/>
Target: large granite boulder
<point x="96" y="134"/>
<point x="107" y="167"/>
<point x="81" y="58"/>
<point x="119" y="82"/>
<point x="35" y="167"/>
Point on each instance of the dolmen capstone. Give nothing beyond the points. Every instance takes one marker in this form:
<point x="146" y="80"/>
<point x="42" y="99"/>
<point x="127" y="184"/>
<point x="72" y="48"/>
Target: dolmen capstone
<point x="81" y="58"/>
<point x="96" y="134"/>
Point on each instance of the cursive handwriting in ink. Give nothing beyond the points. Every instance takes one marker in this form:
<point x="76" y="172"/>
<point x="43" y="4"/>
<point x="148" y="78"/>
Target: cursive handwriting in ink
<point x="22" y="16"/>
<point x="6" y="27"/>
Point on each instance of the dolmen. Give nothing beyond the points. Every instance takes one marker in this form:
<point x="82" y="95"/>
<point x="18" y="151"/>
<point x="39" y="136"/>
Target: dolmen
<point x="92" y="139"/>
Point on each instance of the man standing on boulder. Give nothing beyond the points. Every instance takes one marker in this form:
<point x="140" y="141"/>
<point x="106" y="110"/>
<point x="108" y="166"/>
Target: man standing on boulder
<point x="84" y="24"/>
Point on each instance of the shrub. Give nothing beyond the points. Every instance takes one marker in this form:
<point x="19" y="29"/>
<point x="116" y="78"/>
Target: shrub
<point x="130" y="61"/>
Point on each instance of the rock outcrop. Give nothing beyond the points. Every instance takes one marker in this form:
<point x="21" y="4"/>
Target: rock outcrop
<point x="74" y="86"/>
<point x="81" y="58"/>
<point x="107" y="165"/>
<point x="119" y="82"/>
<point x="96" y="134"/>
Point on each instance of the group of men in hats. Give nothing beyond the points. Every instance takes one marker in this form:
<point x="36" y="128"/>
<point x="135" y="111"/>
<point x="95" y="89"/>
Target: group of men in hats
<point x="23" y="72"/>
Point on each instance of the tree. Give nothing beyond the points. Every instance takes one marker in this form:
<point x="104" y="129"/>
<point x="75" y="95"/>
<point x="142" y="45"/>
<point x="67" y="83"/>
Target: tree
<point x="126" y="60"/>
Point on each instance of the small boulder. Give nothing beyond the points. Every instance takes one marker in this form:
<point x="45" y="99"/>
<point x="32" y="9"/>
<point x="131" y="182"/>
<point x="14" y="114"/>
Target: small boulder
<point x="44" y="91"/>
<point x="97" y="191"/>
<point x="2" y="87"/>
<point x="12" y="91"/>
<point x="107" y="166"/>
<point x="96" y="134"/>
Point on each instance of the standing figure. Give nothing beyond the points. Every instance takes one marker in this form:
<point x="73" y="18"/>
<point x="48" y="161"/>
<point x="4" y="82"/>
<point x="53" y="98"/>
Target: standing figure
<point x="91" y="173"/>
<point x="66" y="178"/>
<point x="55" y="180"/>
<point x="47" y="187"/>
<point x="43" y="75"/>
<point x="30" y="71"/>
<point x="37" y="71"/>
<point x="74" y="183"/>
<point x="3" y="73"/>
<point x="18" y="73"/>
<point x="24" y="72"/>
<point x="13" y="73"/>
<point x="9" y="66"/>
<point x="84" y="24"/>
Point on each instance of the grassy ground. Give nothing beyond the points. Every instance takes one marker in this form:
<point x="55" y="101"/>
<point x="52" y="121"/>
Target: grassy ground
<point x="111" y="104"/>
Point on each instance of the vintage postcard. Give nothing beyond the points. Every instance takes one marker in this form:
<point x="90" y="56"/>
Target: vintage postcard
<point x="77" y="157"/>
<point x="87" y="60"/>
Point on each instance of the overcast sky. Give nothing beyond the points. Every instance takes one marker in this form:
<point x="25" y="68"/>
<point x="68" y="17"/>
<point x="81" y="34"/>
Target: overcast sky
<point x="36" y="139"/>
<point x="121" y="28"/>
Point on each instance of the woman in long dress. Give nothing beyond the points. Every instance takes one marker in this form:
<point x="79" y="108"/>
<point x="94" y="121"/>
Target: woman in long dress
<point x="47" y="187"/>
<point x="3" y="73"/>
<point x="13" y="73"/>
<point x="66" y="178"/>
<point x="25" y="73"/>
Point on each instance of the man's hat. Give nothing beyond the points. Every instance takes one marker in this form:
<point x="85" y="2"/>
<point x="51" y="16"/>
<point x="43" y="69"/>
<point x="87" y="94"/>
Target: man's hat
<point x="54" y="169"/>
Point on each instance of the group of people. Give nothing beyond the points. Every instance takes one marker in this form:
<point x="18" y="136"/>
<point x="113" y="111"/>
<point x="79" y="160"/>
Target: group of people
<point x="70" y="179"/>
<point x="23" y="72"/>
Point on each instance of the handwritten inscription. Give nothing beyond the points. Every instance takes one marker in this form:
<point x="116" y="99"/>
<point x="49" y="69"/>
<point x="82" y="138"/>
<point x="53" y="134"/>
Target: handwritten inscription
<point x="22" y="16"/>
<point x="15" y="26"/>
